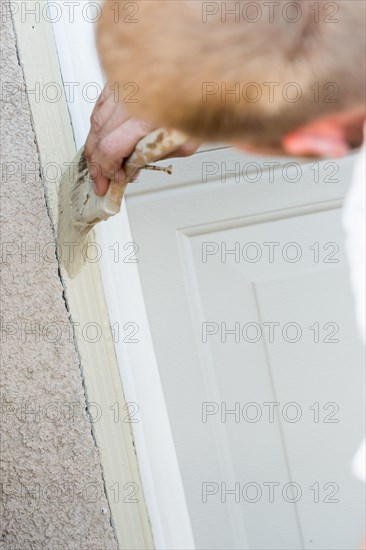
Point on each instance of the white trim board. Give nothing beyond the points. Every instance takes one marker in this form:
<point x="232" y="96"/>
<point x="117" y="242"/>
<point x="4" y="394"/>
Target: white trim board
<point x="157" y="458"/>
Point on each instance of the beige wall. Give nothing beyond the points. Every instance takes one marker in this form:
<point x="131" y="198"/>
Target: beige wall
<point x="52" y="453"/>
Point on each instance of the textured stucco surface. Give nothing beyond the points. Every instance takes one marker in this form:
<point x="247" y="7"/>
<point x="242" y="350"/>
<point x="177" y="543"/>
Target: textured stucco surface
<point x="52" y="487"/>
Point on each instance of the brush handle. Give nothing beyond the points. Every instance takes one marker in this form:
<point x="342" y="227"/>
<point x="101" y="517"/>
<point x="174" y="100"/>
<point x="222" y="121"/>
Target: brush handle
<point x="151" y="148"/>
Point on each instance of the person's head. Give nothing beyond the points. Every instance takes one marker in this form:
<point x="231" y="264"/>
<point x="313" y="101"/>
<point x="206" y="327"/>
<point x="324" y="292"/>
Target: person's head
<point x="244" y="72"/>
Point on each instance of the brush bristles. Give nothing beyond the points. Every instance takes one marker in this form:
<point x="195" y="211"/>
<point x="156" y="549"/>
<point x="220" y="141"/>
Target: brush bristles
<point x="79" y="210"/>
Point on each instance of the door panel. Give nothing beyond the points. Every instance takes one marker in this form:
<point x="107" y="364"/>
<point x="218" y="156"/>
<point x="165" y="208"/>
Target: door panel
<point x="247" y="295"/>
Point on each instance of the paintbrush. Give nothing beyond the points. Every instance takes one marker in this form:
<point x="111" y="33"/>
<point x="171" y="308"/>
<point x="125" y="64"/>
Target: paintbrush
<point x="80" y="208"/>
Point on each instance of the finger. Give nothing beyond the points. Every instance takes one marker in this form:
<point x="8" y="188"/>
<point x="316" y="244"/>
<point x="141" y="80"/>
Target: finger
<point x="101" y="184"/>
<point x="107" y="114"/>
<point x="97" y="121"/>
<point x="102" y="111"/>
<point x="116" y="118"/>
<point x="118" y="145"/>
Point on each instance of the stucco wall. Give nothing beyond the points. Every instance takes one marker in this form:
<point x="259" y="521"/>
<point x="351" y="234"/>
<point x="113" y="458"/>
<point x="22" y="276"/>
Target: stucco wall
<point x="52" y="486"/>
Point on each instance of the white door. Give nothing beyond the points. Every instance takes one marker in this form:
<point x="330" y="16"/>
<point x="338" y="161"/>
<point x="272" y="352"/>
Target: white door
<point x="247" y="295"/>
<point x="246" y="367"/>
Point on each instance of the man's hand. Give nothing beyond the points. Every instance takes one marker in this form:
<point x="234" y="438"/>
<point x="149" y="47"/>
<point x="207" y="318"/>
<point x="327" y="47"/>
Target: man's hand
<point x="112" y="138"/>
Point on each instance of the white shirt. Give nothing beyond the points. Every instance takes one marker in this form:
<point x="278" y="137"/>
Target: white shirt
<point x="354" y="226"/>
